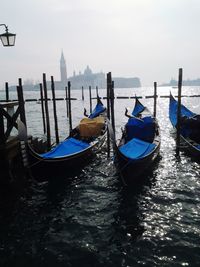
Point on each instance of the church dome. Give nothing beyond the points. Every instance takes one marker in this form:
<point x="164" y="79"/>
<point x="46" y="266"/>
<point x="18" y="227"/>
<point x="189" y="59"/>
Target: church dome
<point x="87" y="71"/>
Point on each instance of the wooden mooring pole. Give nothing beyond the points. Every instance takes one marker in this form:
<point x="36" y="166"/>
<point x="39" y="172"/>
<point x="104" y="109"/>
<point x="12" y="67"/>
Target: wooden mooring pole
<point x="112" y="109"/>
<point x="7" y="91"/>
<point x="7" y="100"/>
<point x="47" y="112"/>
<point x="82" y="92"/>
<point x="2" y="129"/>
<point x="54" y="110"/>
<point x="42" y="107"/>
<point x="69" y="104"/>
<point x="3" y="161"/>
<point x="97" y="91"/>
<point x="67" y="101"/>
<point x="180" y="77"/>
<point x="21" y="102"/>
<point x="109" y="84"/>
<point x="90" y="95"/>
<point x="155" y="99"/>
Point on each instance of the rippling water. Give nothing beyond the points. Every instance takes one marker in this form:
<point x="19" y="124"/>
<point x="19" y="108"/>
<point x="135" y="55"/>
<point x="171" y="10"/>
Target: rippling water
<point x="91" y="219"/>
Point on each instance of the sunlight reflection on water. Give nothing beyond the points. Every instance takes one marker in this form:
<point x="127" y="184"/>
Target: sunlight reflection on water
<point x="92" y="220"/>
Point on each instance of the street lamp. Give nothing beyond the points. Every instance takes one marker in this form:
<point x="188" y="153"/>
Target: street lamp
<point x="7" y="38"/>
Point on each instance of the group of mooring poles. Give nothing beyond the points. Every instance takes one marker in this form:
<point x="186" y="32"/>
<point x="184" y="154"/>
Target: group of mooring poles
<point x="82" y="91"/>
<point x="110" y="106"/>
<point x="45" y="109"/>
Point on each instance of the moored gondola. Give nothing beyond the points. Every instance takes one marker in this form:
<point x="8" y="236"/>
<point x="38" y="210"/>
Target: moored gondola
<point x="74" y="152"/>
<point x="189" y="127"/>
<point x="139" y="145"/>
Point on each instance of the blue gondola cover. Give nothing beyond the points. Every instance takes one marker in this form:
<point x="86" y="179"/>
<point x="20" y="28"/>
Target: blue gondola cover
<point x="137" y="109"/>
<point x="67" y="147"/>
<point x="143" y="129"/>
<point x="173" y="111"/>
<point x="136" y="148"/>
<point x="97" y="110"/>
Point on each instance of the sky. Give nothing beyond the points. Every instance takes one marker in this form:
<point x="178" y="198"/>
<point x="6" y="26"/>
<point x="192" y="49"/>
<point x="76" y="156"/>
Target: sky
<point x="149" y="39"/>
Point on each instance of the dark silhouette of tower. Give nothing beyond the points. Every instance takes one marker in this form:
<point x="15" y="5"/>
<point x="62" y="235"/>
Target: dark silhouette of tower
<point x="63" y="71"/>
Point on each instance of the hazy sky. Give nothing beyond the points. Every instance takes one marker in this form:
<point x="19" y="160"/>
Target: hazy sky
<point x="149" y="39"/>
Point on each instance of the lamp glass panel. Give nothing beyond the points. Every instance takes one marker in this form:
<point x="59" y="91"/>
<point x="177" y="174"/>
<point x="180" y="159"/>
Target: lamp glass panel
<point x="8" y="39"/>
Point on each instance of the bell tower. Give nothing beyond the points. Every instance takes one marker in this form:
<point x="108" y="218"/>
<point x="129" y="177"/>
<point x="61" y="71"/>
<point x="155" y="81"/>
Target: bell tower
<point x="63" y="70"/>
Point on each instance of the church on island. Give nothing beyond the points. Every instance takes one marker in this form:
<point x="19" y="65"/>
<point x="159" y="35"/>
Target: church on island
<point x="85" y="79"/>
<point x="88" y="78"/>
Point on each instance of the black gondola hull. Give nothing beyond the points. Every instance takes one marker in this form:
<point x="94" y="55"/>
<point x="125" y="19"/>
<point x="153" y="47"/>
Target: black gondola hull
<point x="132" y="171"/>
<point x="44" y="169"/>
<point x="188" y="145"/>
<point x="189" y="148"/>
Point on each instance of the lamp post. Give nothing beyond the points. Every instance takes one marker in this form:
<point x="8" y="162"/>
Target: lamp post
<point x="7" y="38"/>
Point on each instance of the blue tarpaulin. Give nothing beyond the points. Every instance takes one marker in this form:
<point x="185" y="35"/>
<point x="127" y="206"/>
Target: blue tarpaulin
<point x="143" y="129"/>
<point x="189" y="121"/>
<point x="136" y="148"/>
<point x="173" y="111"/>
<point x="138" y="108"/>
<point x="67" y="147"/>
<point x="97" y="110"/>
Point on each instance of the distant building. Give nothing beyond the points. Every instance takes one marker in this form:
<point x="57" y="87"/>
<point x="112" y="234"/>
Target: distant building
<point x="88" y="78"/>
<point x="85" y="79"/>
<point x="187" y="82"/>
<point x="63" y="71"/>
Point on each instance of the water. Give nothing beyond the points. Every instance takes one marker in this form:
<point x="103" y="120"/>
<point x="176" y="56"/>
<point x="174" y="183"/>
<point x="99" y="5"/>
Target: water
<point x="92" y="219"/>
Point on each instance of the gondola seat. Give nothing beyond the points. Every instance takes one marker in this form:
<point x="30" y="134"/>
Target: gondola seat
<point x="136" y="148"/>
<point x="67" y="147"/>
<point x="142" y="129"/>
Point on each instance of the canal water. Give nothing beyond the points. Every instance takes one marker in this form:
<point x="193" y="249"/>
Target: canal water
<point x="93" y="220"/>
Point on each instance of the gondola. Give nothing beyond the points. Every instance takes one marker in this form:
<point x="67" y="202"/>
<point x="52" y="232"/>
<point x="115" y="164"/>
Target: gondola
<point x="139" y="145"/>
<point x="189" y="127"/>
<point x="74" y="152"/>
